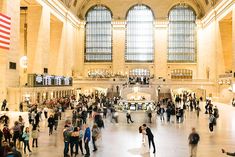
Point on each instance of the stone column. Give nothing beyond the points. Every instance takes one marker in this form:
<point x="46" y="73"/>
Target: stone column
<point x="79" y="55"/>
<point x="160" y="58"/>
<point x="233" y="39"/>
<point x="38" y="38"/>
<point x="118" y="55"/>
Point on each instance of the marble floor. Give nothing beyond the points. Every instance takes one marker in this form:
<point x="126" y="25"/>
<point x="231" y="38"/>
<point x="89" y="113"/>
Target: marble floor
<point x="123" y="140"/>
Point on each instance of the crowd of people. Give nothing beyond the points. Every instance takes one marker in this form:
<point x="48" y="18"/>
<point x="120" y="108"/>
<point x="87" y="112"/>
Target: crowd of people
<point x="77" y="133"/>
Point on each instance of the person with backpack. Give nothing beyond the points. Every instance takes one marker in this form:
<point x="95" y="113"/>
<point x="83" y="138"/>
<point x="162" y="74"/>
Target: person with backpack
<point x="26" y="136"/>
<point x="193" y="138"/>
<point x="66" y="135"/>
<point x="6" y="133"/>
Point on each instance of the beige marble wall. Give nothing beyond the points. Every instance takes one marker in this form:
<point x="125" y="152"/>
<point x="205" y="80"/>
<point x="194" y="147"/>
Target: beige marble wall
<point x="79" y="54"/>
<point x="233" y="38"/>
<point x="10" y="77"/>
<point x="119" y="34"/>
<point x="160" y="58"/>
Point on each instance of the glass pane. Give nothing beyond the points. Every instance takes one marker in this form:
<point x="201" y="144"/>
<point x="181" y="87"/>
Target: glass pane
<point x="98" y="35"/>
<point x="139" y="34"/>
<point x="182" y="34"/>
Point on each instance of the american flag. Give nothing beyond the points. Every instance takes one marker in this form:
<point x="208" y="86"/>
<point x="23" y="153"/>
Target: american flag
<point x="5" y="30"/>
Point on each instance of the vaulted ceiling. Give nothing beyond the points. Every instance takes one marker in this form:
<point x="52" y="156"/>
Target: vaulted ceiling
<point x="120" y="7"/>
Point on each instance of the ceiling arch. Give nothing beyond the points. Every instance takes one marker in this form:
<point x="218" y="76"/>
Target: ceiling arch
<point x="160" y="7"/>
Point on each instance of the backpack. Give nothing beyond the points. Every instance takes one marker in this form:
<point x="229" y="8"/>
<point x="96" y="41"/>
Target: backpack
<point x="6" y="131"/>
<point x="194" y="139"/>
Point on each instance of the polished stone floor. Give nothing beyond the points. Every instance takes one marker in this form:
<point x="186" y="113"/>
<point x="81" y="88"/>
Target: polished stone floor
<point x="123" y="140"/>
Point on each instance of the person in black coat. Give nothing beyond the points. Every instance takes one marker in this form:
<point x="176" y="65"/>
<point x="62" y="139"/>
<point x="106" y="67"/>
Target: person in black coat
<point x="51" y="123"/>
<point x="150" y="137"/>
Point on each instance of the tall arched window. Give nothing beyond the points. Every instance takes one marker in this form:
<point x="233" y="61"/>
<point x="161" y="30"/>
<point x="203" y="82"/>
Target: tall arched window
<point x="139" y="34"/>
<point x="182" y="34"/>
<point x="98" y="34"/>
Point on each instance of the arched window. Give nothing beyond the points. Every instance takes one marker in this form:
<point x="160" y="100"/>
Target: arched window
<point x="139" y="34"/>
<point x="98" y="34"/>
<point x="182" y="34"/>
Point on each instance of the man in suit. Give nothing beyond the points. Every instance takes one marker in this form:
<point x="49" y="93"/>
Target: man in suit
<point x="150" y="137"/>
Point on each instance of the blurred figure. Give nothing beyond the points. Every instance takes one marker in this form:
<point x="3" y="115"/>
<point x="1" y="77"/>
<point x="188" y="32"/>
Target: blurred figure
<point x="128" y="117"/>
<point x="227" y="153"/>
<point x="193" y="138"/>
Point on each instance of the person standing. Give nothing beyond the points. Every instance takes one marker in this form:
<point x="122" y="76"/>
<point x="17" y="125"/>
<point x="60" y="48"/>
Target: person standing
<point x="34" y="135"/>
<point x="150" y="137"/>
<point x="87" y="138"/>
<point x="45" y="110"/>
<point x="95" y="135"/>
<point x="21" y="107"/>
<point x="193" y="138"/>
<point x="66" y="135"/>
<point x="80" y="139"/>
<point x="25" y="136"/>
<point x="4" y="104"/>
<point x="16" y="132"/>
<point x="6" y="133"/>
<point x="1" y="137"/>
<point x="74" y="138"/>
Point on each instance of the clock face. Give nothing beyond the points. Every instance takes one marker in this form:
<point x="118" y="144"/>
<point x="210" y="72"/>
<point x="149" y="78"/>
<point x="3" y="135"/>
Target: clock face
<point x="39" y="79"/>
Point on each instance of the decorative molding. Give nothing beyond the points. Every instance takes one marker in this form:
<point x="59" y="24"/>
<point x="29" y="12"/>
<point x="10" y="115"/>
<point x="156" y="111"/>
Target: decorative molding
<point x="58" y="9"/>
<point x="218" y="12"/>
<point x="119" y="23"/>
<point x="161" y="23"/>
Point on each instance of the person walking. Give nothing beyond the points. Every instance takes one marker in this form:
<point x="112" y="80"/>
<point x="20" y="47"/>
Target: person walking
<point x="211" y="122"/>
<point x="26" y="136"/>
<point x="128" y="117"/>
<point x="161" y="113"/>
<point x="198" y="109"/>
<point x="51" y="123"/>
<point x="87" y="138"/>
<point x="193" y="138"/>
<point x="150" y="137"/>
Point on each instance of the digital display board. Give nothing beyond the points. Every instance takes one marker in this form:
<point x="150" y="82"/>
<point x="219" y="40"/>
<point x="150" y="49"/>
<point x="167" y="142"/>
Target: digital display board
<point x="39" y="80"/>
